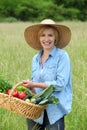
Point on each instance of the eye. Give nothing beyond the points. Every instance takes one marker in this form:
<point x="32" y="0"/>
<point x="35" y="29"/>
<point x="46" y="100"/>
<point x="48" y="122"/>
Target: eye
<point x="42" y="35"/>
<point x="50" y="35"/>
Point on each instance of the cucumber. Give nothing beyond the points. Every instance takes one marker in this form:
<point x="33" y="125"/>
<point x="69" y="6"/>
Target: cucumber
<point x="28" y="97"/>
<point x="50" y="100"/>
<point x="45" y="101"/>
<point x="46" y="92"/>
<point x="44" y="97"/>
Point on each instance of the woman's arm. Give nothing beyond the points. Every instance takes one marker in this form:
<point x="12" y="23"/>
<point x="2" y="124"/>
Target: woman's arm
<point x="31" y="85"/>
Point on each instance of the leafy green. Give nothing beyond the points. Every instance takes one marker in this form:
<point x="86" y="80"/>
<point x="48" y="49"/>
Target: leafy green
<point x="4" y="85"/>
<point x="23" y="89"/>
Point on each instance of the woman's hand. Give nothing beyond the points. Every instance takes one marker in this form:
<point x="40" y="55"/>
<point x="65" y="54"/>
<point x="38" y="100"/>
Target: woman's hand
<point x="27" y="84"/>
<point x="31" y="85"/>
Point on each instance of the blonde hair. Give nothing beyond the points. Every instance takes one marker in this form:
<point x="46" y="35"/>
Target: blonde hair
<point x="49" y="27"/>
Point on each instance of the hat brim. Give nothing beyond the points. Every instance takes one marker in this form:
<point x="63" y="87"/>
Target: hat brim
<point x="31" y="35"/>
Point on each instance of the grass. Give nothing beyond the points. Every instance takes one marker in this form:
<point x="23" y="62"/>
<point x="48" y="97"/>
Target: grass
<point x="15" y="65"/>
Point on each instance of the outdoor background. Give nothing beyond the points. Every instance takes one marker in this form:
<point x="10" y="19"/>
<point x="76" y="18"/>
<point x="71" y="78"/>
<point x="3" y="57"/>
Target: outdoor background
<point x="36" y="10"/>
<point x="16" y="55"/>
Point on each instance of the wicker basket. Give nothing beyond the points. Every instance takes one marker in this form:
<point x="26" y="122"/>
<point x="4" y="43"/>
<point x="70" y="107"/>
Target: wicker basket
<point x="18" y="106"/>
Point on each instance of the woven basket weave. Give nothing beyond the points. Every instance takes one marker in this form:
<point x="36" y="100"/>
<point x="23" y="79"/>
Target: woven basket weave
<point x="18" y="106"/>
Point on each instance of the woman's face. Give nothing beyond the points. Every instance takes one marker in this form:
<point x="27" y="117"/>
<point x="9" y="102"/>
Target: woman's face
<point x="47" y="39"/>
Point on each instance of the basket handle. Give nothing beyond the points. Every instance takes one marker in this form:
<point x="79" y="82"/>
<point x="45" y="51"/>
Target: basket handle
<point x="14" y="87"/>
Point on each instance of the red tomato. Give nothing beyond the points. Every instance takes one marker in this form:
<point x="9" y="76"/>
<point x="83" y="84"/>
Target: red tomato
<point x="22" y="95"/>
<point x="15" y="93"/>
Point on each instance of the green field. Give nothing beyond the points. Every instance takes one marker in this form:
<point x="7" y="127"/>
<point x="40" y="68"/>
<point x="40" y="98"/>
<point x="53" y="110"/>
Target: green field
<point x="15" y="65"/>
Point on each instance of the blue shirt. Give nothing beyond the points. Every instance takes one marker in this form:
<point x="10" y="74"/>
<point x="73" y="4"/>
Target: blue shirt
<point x="55" y="71"/>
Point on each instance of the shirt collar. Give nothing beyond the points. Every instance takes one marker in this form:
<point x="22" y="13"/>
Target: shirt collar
<point x="52" y="53"/>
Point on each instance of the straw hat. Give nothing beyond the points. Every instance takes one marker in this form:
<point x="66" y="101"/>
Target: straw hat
<point x="31" y="34"/>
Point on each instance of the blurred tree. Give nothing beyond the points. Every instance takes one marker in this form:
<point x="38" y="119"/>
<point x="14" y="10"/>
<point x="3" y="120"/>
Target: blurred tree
<point x="33" y="10"/>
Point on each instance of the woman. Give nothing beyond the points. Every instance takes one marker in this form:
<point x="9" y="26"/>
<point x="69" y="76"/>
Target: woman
<point x="51" y="66"/>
